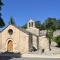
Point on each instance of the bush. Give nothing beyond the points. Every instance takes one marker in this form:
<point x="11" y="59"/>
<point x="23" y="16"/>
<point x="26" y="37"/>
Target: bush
<point x="57" y="40"/>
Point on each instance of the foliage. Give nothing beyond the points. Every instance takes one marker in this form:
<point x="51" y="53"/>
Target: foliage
<point x="58" y="23"/>
<point x="2" y="23"/>
<point x="42" y="26"/>
<point x="12" y="21"/>
<point x="50" y="34"/>
<point x="38" y="24"/>
<point x="51" y="23"/>
<point x="24" y="26"/>
<point x="57" y="40"/>
<point x="1" y="4"/>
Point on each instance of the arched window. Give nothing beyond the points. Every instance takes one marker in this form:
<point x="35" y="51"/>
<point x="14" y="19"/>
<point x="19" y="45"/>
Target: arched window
<point x="31" y="24"/>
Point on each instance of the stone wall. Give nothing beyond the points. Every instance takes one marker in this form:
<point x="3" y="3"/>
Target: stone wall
<point x="24" y="42"/>
<point x="56" y="33"/>
<point x="34" y="41"/>
<point x="43" y="43"/>
<point x="33" y="31"/>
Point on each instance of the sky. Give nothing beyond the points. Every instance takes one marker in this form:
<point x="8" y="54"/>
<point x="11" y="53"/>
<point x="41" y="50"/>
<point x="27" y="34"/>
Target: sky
<point x="24" y="10"/>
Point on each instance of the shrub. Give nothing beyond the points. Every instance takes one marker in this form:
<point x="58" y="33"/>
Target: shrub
<point x="57" y="40"/>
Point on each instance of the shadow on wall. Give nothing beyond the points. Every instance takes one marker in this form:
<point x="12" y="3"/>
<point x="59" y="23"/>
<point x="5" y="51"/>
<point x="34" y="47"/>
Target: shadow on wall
<point x="33" y="48"/>
<point x="9" y="55"/>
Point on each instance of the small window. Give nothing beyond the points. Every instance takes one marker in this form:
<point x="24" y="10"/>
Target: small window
<point x="29" y="24"/>
<point x="10" y="31"/>
<point x="32" y="24"/>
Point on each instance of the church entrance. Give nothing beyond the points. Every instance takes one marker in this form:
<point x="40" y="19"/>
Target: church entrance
<point x="10" y="46"/>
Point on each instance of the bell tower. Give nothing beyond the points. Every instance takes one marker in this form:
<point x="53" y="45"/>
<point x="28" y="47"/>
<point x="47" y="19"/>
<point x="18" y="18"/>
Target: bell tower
<point x="31" y="24"/>
<point x="31" y="27"/>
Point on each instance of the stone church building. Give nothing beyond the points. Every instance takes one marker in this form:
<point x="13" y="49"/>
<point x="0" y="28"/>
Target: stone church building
<point x="18" y="40"/>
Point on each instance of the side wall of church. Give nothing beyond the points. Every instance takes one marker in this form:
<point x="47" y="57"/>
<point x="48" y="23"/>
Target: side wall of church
<point x="24" y="42"/>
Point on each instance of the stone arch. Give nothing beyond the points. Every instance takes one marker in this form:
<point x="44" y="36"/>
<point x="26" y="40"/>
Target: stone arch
<point x="29" y="24"/>
<point x="6" y="43"/>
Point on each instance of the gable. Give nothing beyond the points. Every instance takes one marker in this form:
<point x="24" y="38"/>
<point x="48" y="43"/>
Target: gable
<point x="14" y="28"/>
<point x="7" y="28"/>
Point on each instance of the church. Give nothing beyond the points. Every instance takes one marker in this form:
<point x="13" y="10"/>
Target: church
<point x="18" y="40"/>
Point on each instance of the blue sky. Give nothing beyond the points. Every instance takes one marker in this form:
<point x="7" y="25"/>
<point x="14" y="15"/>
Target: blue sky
<point x="23" y="10"/>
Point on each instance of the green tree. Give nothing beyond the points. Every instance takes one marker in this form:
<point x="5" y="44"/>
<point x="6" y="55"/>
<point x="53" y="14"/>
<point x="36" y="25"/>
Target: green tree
<point x="1" y="4"/>
<point x="58" y="23"/>
<point x="49" y="35"/>
<point x="42" y="26"/>
<point x="38" y="24"/>
<point x="2" y="23"/>
<point x="24" y="26"/>
<point x="51" y="23"/>
<point x="12" y="21"/>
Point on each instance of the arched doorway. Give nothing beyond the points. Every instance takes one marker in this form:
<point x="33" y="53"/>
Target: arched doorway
<point x="10" y="46"/>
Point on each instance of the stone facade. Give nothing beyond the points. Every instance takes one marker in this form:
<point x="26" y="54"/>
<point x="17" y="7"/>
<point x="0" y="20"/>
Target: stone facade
<point x="39" y="38"/>
<point x="18" y="40"/>
<point x="43" y="43"/>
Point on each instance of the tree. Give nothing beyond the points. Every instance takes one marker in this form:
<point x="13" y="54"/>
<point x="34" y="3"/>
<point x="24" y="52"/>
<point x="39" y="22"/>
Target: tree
<point x="38" y="24"/>
<point x="50" y="26"/>
<point x="58" y="23"/>
<point x="12" y="21"/>
<point x="49" y="35"/>
<point x="1" y="4"/>
<point x="2" y="23"/>
<point x="42" y="26"/>
<point x="51" y="23"/>
<point x="24" y="26"/>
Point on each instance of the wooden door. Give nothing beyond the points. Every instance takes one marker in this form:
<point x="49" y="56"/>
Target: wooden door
<point x="10" y="46"/>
